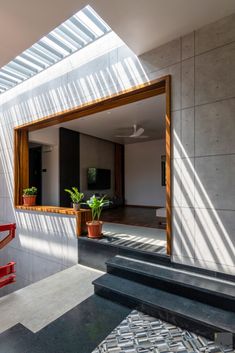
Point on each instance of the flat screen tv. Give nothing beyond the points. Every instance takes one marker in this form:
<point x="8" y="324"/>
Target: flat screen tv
<point x="98" y="179"/>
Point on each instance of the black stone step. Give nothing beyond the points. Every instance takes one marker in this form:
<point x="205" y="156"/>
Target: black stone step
<point x="189" y="314"/>
<point x="206" y="289"/>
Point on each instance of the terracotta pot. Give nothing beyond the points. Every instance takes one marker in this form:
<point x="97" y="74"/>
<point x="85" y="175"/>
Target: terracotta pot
<point x="29" y="200"/>
<point x="76" y="206"/>
<point x="94" y="229"/>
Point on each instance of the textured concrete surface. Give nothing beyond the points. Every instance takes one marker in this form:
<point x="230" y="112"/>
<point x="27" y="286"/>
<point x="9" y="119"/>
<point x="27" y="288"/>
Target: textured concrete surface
<point x="187" y="83"/>
<point x="188" y="46"/>
<point x="37" y="305"/>
<point x="215" y="75"/>
<point x="214" y="128"/>
<point x="215" y="34"/>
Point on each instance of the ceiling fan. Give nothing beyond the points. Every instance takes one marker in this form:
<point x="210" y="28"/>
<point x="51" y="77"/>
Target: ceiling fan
<point x="137" y="133"/>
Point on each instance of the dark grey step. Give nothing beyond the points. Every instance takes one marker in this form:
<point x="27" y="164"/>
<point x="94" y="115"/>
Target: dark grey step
<point x="206" y="289"/>
<point x="189" y="314"/>
<point x="95" y="252"/>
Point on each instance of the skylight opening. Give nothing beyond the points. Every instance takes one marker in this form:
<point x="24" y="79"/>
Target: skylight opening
<point x="11" y="73"/>
<point x="30" y="64"/>
<point x="81" y="29"/>
<point x="82" y="17"/>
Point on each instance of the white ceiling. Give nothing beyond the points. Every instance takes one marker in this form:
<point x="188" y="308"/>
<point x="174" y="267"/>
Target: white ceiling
<point x="148" y="113"/>
<point x="142" y="24"/>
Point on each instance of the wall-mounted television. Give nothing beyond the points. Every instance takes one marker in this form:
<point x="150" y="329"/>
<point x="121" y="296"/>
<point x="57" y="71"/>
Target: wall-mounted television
<point x="98" y="179"/>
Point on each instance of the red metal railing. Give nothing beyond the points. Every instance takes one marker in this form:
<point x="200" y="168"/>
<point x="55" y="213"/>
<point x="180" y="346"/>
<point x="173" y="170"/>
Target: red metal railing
<point x="6" y="271"/>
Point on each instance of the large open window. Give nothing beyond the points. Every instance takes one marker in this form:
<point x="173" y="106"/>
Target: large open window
<point x="26" y="151"/>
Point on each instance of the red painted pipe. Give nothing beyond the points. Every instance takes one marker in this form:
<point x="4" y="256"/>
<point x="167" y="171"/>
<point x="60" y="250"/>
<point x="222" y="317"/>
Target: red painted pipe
<point x="10" y="267"/>
<point x="7" y="280"/>
<point x="11" y="235"/>
<point x="7" y="269"/>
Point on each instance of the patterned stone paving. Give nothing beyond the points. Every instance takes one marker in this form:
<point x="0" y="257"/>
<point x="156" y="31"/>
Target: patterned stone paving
<point x="140" y="333"/>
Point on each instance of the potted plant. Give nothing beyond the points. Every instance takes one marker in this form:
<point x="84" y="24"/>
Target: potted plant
<point x="29" y="196"/>
<point x="96" y="205"/>
<point x="76" y="197"/>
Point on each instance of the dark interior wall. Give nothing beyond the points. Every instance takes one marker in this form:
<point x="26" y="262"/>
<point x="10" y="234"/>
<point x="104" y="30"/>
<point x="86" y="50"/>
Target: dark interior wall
<point x="119" y="171"/>
<point x="69" y="163"/>
<point x="97" y="153"/>
<point x="35" y="171"/>
<point x="71" y="159"/>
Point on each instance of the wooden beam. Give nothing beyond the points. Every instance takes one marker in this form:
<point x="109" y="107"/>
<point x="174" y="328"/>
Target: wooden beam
<point x="131" y="95"/>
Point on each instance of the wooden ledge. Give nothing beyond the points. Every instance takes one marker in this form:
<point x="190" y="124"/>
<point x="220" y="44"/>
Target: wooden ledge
<point x="52" y="209"/>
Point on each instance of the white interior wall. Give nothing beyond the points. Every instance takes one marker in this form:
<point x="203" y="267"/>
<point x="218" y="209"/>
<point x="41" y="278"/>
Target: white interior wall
<point x="143" y="174"/>
<point x="49" y="139"/>
<point x="95" y="153"/>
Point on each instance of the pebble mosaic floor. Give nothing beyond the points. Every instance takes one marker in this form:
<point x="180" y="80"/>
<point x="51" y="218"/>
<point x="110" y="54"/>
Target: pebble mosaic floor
<point x="140" y="333"/>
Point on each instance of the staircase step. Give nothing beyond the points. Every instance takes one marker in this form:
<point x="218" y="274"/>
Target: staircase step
<point x="189" y="314"/>
<point x="210" y="290"/>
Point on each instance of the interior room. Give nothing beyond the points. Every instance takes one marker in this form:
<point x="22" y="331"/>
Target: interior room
<point x="126" y="148"/>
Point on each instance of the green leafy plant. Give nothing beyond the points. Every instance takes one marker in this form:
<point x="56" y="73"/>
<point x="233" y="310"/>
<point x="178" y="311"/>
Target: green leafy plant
<point x="96" y="205"/>
<point x="30" y="191"/>
<point x="75" y="195"/>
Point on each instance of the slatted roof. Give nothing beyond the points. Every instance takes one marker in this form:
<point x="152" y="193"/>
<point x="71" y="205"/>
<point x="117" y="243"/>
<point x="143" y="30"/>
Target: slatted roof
<point x="81" y="29"/>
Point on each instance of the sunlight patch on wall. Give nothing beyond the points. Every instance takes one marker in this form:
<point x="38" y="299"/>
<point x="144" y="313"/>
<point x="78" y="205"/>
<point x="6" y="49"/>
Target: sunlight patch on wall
<point x="200" y="232"/>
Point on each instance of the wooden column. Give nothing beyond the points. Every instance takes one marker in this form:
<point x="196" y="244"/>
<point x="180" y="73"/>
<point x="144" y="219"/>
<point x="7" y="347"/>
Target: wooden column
<point x="21" y="164"/>
<point x="82" y="217"/>
<point x="168" y="165"/>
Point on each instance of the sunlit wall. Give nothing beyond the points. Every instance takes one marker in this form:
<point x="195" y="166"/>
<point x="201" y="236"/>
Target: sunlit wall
<point x="202" y="65"/>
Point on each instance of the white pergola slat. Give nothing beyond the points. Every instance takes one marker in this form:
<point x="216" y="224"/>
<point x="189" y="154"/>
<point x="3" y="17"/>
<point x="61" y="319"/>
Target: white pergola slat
<point x="81" y="29"/>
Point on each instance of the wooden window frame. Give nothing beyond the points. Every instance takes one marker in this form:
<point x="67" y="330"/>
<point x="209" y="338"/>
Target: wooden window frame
<point x="136" y="93"/>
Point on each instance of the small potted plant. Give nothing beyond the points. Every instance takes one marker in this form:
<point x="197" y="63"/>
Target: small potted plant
<point x="76" y="197"/>
<point x="96" y="205"/>
<point x="29" y="196"/>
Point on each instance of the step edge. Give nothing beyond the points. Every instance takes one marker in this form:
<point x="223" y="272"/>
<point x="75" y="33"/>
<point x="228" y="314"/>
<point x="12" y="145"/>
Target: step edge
<point x="220" y="276"/>
<point x="147" y="302"/>
<point x="188" y="271"/>
<point x="224" y="295"/>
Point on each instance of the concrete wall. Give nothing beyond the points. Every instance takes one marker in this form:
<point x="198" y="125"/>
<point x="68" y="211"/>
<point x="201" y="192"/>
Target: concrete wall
<point x="49" y="139"/>
<point x="143" y="173"/>
<point x="95" y="153"/>
<point x="204" y="147"/>
<point x="202" y="65"/>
